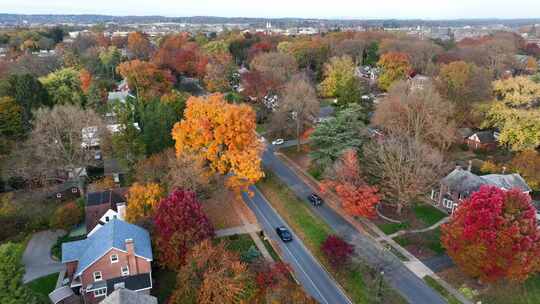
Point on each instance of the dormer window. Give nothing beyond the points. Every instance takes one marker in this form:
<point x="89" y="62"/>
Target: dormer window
<point x="107" y="219"/>
<point x="114" y="258"/>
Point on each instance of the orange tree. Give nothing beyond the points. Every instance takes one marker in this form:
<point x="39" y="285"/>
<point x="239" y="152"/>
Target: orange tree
<point x="356" y="196"/>
<point x="142" y="201"/>
<point x="494" y="235"/>
<point x="224" y="134"/>
<point x="395" y="66"/>
<point x="146" y="78"/>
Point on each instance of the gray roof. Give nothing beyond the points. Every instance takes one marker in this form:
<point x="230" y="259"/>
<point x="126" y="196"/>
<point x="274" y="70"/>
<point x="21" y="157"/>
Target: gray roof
<point x="485" y="136"/>
<point x="112" y="235"/>
<point x="126" y="296"/>
<point x="507" y="181"/>
<point x="465" y="182"/>
<point x="61" y="294"/>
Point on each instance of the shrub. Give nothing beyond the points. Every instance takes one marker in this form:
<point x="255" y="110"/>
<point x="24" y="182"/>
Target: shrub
<point x="66" y="216"/>
<point x="337" y="250"/>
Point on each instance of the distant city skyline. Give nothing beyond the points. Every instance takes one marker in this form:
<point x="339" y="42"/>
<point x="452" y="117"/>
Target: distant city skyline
<point x="336" y="9"/>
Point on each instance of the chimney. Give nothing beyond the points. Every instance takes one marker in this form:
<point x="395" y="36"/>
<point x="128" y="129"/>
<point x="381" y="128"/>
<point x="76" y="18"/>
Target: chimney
<point x="121" y="208"/>
<point x="132" y="259"/>
<point x="469" y="168"/>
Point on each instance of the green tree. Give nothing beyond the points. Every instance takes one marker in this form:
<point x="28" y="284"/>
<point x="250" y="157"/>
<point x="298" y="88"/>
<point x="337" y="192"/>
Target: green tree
<point x="348" y="92"/>
<point x="27" y="91"/>
<point x="371" y="54"/>
<point x="157" y="120"/>
<point x="11" y="124"/>
<point x="332" y="137"/>
<point x="127" y="145"/>
<point x="64" y="87"/>
<point x="12" y="290"/>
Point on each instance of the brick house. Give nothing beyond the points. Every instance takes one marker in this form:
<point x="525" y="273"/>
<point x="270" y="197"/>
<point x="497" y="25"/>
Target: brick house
<point x="460" y="184"/>
<point x="101" y="207"/>
<point x="117" y="255"/>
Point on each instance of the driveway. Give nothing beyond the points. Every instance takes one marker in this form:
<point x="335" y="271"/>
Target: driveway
<point x="37" y="255"/>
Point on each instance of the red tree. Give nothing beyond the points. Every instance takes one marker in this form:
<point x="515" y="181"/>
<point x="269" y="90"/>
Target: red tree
<point x="259" y="47"/>
<point x="180" y="223"/>
<point x="337" y="250"/>
<point x="533" y="49"/>
<point x="271" y="277"/>
<point x="257" y="85"/>
<point x="494" y="235"/>
<point x="181" y="56"/>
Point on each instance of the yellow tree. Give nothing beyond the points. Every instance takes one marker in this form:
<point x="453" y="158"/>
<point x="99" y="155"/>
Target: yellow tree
<point x="224" y="134"/>
<point x="142" y="201"/>
<point x="337" y="73"/>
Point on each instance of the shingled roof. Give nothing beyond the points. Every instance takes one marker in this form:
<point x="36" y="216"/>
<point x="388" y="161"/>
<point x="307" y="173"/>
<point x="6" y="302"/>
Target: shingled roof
<point x="112" y="235"/>
<point x="465" y="182"/>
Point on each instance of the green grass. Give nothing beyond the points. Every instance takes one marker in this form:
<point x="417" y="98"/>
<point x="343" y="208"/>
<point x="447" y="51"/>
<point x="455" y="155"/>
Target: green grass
<point x="261" y="128"/>
<point x="238" y="243"/>
<point x="513" y="293"/>
<point x="313" y="231"/>
<point x="430" y="240"/>
<point x="441" y="290"/>
<point x="316" y="172"/>
<point x="164" y="284"/>
<point x="271" y="250"/>
<point x="389" y="228"/>
<point x="44" y="285"/>
<point x="428" y="214"/>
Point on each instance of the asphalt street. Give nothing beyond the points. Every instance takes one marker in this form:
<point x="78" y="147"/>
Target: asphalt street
<point x="412" y="288"/>
<point x="316" y="281"/>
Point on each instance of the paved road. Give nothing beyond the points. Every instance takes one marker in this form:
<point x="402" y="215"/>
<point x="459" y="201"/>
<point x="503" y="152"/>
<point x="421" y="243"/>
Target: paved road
<point x="37" y="255"/>
<point x="317" y="282"/>
<point x="412" y="288"/>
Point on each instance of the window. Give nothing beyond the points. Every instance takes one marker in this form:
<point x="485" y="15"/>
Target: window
<point x="125" y="270"/>
<point x="100" y="292"/>
<point x="107" y="219"/>
<point x="97" y="276"/>
<point x="74" y="190"/>
<point x="114" y="258"/>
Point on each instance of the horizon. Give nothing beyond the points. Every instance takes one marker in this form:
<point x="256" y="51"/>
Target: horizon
<point x="280" y="9"/>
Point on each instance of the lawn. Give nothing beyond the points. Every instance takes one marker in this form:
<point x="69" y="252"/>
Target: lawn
<point x="44" y="285"/>
<point x="355" y="279"/>
<point x="428" y="214"/>
<point x="238" y="243"/>
<point x="441" y="290"/>
<point x="422" y="245"/>
<point x="390" y="228"/>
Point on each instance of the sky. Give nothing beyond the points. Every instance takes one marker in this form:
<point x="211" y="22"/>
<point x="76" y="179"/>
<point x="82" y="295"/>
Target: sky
<point x="348" y="9"/>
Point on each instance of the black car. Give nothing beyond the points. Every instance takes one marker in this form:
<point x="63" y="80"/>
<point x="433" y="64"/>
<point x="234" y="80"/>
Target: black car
<point x="315" y="200"/>
<point x="284" y="234"/>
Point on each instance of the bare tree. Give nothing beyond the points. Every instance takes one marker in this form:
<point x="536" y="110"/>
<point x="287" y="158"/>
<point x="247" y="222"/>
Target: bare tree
<point x="189" y="172"/>
<point x="419" y="113"/>
<point x="279" y="67"/>
<point x="404" y="168"/>
<point x="300" y="103"/>
<point x="62" y="143"/>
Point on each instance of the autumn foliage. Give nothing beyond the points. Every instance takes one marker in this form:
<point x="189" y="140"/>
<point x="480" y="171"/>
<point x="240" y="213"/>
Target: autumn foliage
<point x="67" y="216"/>
<point x="212" y="274"/>
<point x="180" y="224"/>
<point x="142" y="201"/>
<point x="494" y="235"/>
<point x="146" y="78"/>
<point x="86" y="80"/>
<point x="357" y="197"/>
<point x="337" y="251"/>
<point x="395" y="66"/>
<point x="181" y="56"/>
<point x="224" y="134"/>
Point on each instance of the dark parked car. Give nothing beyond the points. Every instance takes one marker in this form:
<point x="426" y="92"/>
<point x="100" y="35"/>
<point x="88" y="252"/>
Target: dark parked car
<point x="315" y="199"/>
<point x="284" y="234"/>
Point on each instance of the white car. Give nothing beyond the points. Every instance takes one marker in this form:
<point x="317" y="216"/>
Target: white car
<point x="278" y="142"/>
